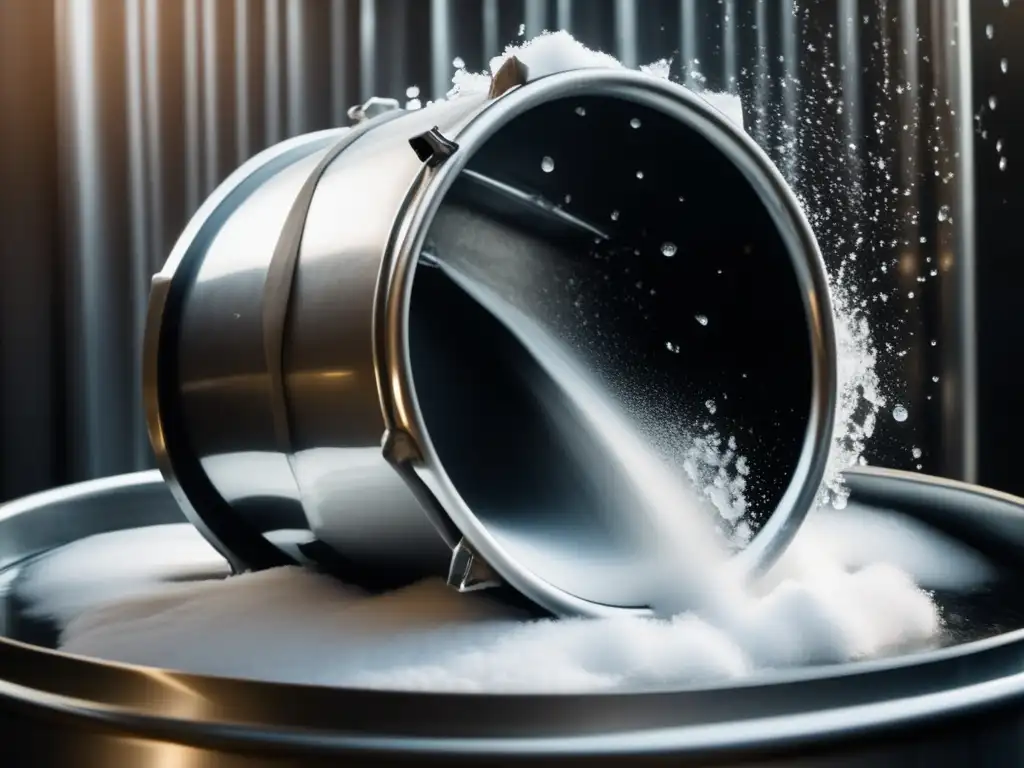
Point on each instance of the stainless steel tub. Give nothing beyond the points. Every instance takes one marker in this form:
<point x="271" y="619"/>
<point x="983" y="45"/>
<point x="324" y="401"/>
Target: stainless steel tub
<point x="961" y="705"/>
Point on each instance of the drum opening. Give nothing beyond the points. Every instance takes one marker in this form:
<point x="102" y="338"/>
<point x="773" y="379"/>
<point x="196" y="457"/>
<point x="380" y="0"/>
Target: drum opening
<point x="637" y="245"/>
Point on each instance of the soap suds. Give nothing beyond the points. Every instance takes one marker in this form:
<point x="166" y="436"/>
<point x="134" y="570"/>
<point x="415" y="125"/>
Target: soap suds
<point x="292" y="625"/>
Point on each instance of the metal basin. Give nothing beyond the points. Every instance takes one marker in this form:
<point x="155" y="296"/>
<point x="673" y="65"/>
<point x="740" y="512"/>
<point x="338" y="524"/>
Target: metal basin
<point x="956" y="705"/>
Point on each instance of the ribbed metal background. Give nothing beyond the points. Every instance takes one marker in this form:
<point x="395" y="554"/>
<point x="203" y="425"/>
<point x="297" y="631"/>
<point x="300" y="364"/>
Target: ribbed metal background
<point x="119" y="116"/>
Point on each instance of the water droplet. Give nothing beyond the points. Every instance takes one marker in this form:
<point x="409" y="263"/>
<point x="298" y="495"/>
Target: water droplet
<point x="900" y="413"/>
<point x="674" y="348"/>
<point x="682" y="199"/>
<point x="915" y="452"/>
<point x="458" y="63"/>
<point x="1002" y="163"/>
<point x="1006" y="3"/>
<point x="412" y="92"/>
<point x="710" y="405"/>
<point x="1004" y="66"/>
<point x="993" y="102"/>
<point x="910" y="295"/>
<point x="615" y="215"/>
<point x="999" y="145"/>
<point x="990" y="31"/>
<point x="935" y="379"/>
<point x="639" y="174"/>
<point x="702" y="319"/>
<point x="935" y="343"/>
<point x="668" y="249"/>
<point x="547" y="164"/>
<point x="943" y="214"/>
<point x="568" y="199"/>
<point x="581" y="111"/>
<point x="634" y="123"/>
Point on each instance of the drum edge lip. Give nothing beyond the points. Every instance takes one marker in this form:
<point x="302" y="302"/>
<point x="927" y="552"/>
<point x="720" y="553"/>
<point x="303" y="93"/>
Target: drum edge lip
<point x="394" y="290"/>
<point x="774" y="729"/>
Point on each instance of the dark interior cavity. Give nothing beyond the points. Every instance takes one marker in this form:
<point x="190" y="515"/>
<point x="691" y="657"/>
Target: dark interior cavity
<point x="635" y="232"/>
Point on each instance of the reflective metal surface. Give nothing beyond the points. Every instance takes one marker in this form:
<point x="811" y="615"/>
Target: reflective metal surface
<point x="934" y="707"/>
<point x="277" y="333"/>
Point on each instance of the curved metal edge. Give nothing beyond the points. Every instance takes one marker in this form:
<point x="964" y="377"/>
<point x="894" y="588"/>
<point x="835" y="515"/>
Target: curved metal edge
<point x="71" y="493"/>
<point x="858" y="477"/>
<point x="241" y="549"/>
<point x="770" y="734"/>
<point x="223" y="713"/>
<point x="395" y="288"/>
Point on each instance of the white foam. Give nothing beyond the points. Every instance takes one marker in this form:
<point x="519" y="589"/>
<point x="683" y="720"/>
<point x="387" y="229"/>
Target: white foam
<point x="106" y="568"/>
<point x="857" y="536"/>
<point x="553" y="52"/>
<point x="292" y="625"/>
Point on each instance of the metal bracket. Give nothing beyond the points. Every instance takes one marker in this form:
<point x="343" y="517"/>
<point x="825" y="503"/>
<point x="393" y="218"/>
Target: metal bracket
<point x="512" y="73"/>
<point x="433" y="147"/>
<point x="375" y="105"/>
<point x="398" y="447"/>
<point x="467" y="572"/>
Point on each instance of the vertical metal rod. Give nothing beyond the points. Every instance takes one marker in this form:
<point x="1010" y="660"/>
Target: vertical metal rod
<point x="397" y="77"/>
<point x="154" y="137"/>
<point x="963" y="155"/>
<point x="904" y="131"/>
<point x="790" y="34"/>
<point x="367" y="49"/>
<point x="951" y="54"/>
<point x="762" y="72"/>
<point x="192" y="143"/>
<point x="536" y="13"/>
<point x="95" y="379"/>
<point x="729" y="52"/>
<point x="138" y="217"/>
<point x="211" y="106"/>
<point x="440" y="46"/>
<point x="243" y="136"/>
<point x="340" y="101"/>
<point x="490" y="29"/>
<point x="295" y="67"/>
<point x="563" y="15"/>
<point x="909" y="111"/>
<point x="32" y="64"/>
<point x="688" y="41"/>
<point x="626" y="42"/>
<point x="849" y="62"/>
<point x="272" y="72"/>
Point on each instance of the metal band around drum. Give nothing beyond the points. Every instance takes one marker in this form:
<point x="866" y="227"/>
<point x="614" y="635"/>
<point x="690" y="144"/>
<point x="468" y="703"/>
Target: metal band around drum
<point x="277" y="290"/>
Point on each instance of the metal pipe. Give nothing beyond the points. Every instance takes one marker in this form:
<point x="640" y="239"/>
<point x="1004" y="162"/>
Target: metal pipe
<point x="440" y="47"/>
<point x="951" y="54"/>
